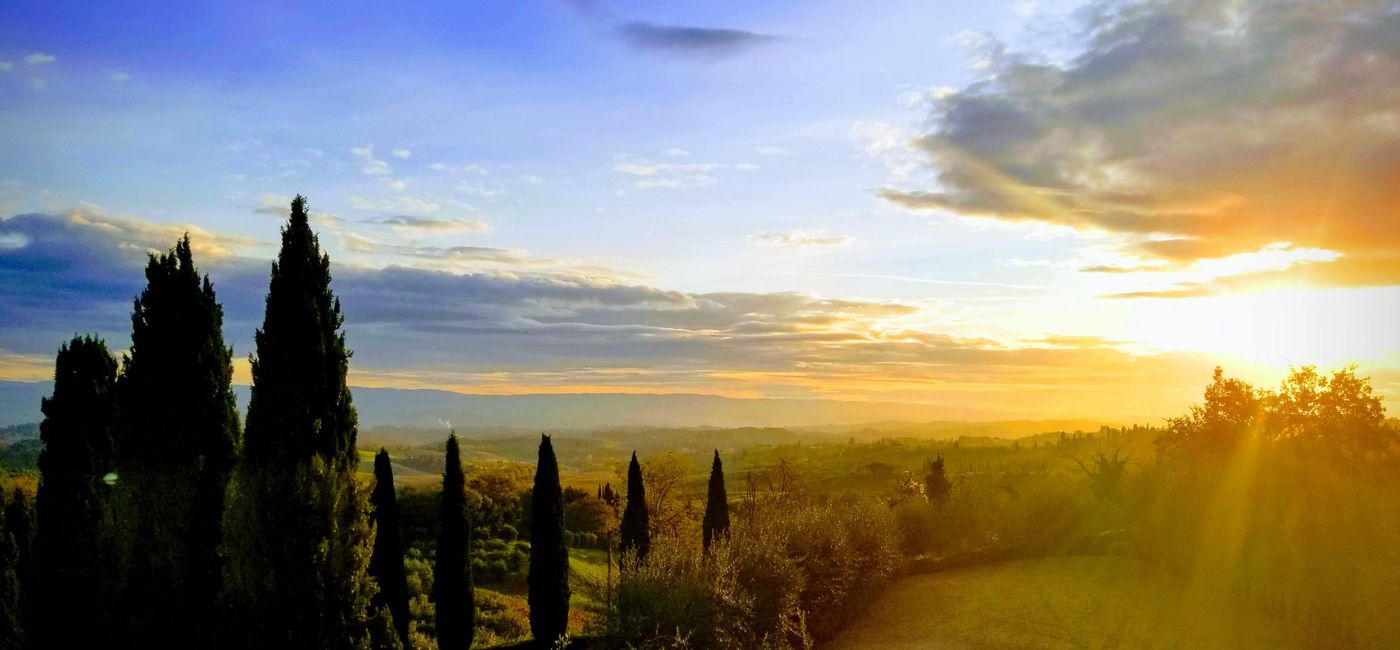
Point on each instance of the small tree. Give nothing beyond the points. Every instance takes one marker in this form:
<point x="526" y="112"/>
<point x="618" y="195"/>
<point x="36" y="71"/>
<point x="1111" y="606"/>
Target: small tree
<point x="936" y="485"/>
<point x="78" y="453"/>
<point x="453" y="595"/>
<point x="716" y="522"/>
<point x="635" y="537"/>
<point x="386" y="564"/>
<point x="549" y="557"/>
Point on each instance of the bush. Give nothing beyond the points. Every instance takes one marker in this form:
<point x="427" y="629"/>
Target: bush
<point x="778" y="573"/>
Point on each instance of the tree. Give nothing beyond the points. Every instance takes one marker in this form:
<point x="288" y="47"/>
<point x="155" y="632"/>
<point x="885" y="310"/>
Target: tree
<point x="549" y="557"/>
<point x="636" y="538"/>
<point x="452" y="575"/>
<point x="716" y="522"/>
<point x="298" y="537"/>
<point x="936" y="485"/>
<point x="175" y="446"/>
<point x="77" y="432"/>
<point x="386" y="564"/>
<point x="1229" y="416"/>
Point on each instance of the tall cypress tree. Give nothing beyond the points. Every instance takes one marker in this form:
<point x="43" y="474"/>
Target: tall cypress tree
<point x="297" y="534"/>
<point x="549" y="557"/>
<point x="386" y="564"/>
<point x="71" y="542"/>
<point x="936" y="485"/>
<point x="633" y="531"/>
<point x="19" y="523"/>
<point x="175" y="449"/>
<point x="455" y="600"/>
<point x="716" y="522"/>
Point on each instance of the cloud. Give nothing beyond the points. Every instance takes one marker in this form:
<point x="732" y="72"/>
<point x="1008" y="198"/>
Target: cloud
<point x="1188" y="131"/>
<point x="419" y="226"/>
<point x="370" y="165"/>
<point x="691" y="40"/>
<point x="677" y="152"/>
<point x="500" y="320"/>
<point x="412" y="204"/>
<point x="666" y="175"/>
<point x="39" y="58"/>
<point x="6" y="66"/>
<point x="402" y="153"/>
<point x="119" y="77"/>
<point x="800" y="239"/>
<point x="766" y="150"/>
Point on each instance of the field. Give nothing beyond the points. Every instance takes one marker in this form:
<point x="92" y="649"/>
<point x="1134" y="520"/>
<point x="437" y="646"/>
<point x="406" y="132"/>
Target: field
<point x="1049" y="602"/>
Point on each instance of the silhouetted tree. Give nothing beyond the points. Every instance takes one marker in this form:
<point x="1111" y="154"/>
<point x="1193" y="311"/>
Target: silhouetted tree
<point x="716" y="522"/>
<point x="936" y="485"/>
<point x="386" y="564"/>
<point x="175" y="448"/>
<point x="549" y="557"/>
<point x="71" y="542"/>
<point x="634" y="536"/>
<point x="297" y="532"/>
<point x="452" y="575"/>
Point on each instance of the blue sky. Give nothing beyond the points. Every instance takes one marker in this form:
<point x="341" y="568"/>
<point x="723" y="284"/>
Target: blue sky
<point x="895" y="155"/>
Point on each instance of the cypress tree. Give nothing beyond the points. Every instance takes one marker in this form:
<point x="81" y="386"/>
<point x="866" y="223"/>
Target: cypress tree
<point x="297" y="533"/>
<point x="71" y="541"/>
<point x="175" y="449"/>
<point x="716" y="522"/>
<point x="386" y="564"/>
<point x="549" y="557"/>
<point x="635" y="536"/>
<point x="936" y="485"/>
<point x="455" y="601"/>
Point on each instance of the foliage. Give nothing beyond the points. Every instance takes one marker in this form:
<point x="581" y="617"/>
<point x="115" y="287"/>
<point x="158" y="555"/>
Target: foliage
<point x="386" y="564"/>
<point x="635" y="530"/>
<point x="452" y="573"/>
<point x="175" y="447"/>
<point x="297" y="534"/>
<point x="73" y="556"/>
<point x="549" y="557"/>
<point x="716" y="523"/>
<point x="782" y="578"/>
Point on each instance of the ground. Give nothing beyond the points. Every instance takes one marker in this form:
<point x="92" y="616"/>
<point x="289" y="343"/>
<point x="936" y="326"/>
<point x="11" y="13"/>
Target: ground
<point x="1053" y="602"/>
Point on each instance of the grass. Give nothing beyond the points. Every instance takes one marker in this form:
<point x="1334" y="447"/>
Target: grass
<point x="1051" y="602"/>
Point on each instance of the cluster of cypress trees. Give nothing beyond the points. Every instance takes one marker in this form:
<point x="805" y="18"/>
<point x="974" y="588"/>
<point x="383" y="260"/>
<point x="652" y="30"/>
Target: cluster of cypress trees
<point x="634" y="531"/>
<point x="158" y="516"/>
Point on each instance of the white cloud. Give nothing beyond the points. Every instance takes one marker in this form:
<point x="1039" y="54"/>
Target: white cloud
<point x="677" y="152"/>
<point x="746" y="167"/>
<point x="410" y="204"/>
<point x="766" y="150"/>
<point x="118" y="77"/>
<point x="402" y="153"/>
<point x="6" y="66"/>
<point x="666" y="175"/>
<point x="532" y="179"/>
<point x="40" y="58"/>
<point x="800" y="239"/>
<point x="370" y="165"/>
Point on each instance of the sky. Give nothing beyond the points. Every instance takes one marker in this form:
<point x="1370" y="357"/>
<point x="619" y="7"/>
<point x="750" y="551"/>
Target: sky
<point x="1026" y="209"/>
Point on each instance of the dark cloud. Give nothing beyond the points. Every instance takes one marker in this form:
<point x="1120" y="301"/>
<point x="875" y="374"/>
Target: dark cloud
<point x="544" y="325"/>
<point x="691" y="40"/>
<point x="1192" y="130"/>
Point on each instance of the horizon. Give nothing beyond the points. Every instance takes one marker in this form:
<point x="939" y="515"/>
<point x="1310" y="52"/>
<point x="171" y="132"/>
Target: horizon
<point x="1000" y="209"/>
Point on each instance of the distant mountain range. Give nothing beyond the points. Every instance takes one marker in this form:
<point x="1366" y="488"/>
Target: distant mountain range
<point x="19" y="403"/>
